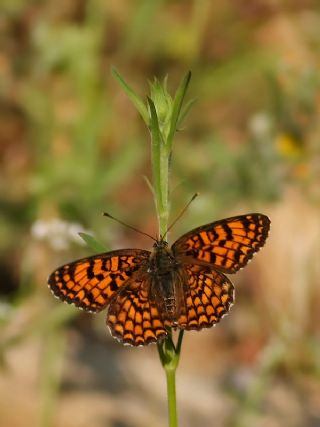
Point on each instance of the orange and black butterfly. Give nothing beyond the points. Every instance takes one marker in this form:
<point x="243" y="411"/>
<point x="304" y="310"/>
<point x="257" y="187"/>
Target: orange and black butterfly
<point x="179" y="287"/>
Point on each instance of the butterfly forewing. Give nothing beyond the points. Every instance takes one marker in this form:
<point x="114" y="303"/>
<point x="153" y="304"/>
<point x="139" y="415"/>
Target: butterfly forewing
<point x="90" y="283"/>
<point x="226" y="245"/>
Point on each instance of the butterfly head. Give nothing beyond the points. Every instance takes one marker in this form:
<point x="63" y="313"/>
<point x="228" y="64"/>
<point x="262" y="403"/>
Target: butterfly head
<point x="160" y="244"/>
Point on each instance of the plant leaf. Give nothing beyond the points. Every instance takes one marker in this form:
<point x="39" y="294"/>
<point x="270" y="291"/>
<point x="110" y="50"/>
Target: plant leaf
<point x="131" y="94"/>
<point x="177" y="105"/>
<point x="93" y="244"/>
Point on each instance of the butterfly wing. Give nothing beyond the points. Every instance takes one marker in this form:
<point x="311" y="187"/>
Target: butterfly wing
<point x="209" y="297"/>
<point x="90" y="283"/>
<point x="226" y="245"/>
<point x="133" y="317"/>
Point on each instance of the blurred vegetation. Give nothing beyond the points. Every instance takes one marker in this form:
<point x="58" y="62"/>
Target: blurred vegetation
<point x="72" y="146"/>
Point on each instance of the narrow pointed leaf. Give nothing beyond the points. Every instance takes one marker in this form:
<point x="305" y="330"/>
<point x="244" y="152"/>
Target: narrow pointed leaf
<point x="177" y="105"/>
<point x="93" y="244"/>
<point x="154" y="124"/>
<point x="179" y="343"/>
<point x="135" y="99"/>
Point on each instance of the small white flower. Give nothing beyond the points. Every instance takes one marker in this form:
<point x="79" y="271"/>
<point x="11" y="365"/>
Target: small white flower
<point x="58" y="233"/>
<point x="260" y="125"/>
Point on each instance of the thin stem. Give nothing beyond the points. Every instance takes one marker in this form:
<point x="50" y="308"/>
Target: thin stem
<point x="160" y="158"/>
<point x="161" y="148"/>
<point x="163" y="212"/>
<point x="171" y="391"/>
<point x="162" y="116"/>
<point x="160" y="170"/>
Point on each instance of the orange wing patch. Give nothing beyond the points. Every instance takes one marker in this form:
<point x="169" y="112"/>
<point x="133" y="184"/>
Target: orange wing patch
<point x="227" y="245"/>
<point x="90" y="283"/>
<point x="210" y="298"/>
<point x="134" y="319"/>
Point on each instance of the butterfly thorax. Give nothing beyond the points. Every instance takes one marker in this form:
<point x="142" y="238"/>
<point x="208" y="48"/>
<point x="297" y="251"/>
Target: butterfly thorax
<point x="162" y="261"/>
<point x="163" y="268"/>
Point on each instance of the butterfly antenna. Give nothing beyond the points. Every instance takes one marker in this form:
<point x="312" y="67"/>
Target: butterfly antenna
<point x="128" y="226"/>
<point x="181" y="213"/>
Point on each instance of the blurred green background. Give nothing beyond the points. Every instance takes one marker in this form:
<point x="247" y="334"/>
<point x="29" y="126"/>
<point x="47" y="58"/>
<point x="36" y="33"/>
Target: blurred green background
<point x="73" y="146"/>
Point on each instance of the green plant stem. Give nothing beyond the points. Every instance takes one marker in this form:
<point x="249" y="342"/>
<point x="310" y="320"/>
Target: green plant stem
<point x="160" y="171"/>
<point x="161" y="147"/>
<point x="171" y="392"/>
<point x="169" y="354"/>
<point x="162" y="115"/>
<point x="163" y="202"/>
<point x="167" y="351"/>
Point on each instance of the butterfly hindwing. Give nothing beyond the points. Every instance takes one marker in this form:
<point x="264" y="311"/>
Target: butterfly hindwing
<point x="226" y="245"/>
<point x="209" y="298"/>
<point x="133" y="317"/>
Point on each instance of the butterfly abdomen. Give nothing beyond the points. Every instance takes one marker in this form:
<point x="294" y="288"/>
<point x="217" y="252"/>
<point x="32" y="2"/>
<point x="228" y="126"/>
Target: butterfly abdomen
<point x="163" y="292"/>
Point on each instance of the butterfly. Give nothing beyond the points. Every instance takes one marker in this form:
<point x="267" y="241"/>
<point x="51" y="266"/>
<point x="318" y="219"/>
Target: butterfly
<point x="182" y="287"/>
